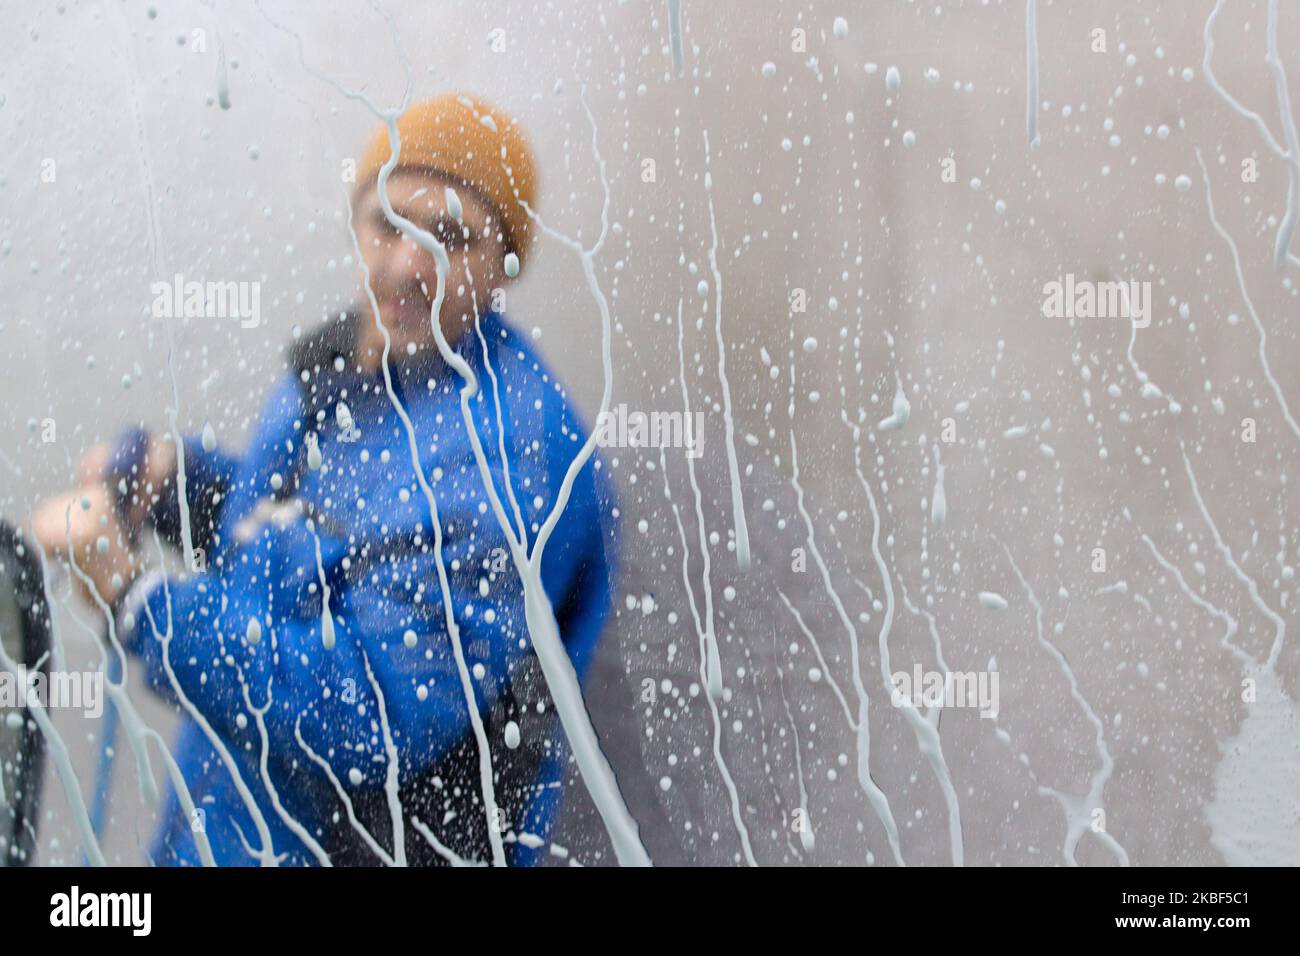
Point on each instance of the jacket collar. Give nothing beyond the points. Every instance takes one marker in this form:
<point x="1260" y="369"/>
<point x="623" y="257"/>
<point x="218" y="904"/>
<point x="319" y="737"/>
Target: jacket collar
<point x="319" y="352"/>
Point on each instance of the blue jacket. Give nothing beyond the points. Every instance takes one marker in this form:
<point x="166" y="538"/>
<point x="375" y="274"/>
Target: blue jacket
<point x="370" y="520"/>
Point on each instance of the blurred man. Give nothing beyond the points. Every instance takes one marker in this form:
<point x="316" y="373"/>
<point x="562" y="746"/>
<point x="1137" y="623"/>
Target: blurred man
<point x="313" y="587"/>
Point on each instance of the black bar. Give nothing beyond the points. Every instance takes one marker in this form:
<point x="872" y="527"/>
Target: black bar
<point x="370" y="906"/>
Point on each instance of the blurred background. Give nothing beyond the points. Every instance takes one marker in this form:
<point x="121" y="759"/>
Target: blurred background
<point x="883" y="227"/>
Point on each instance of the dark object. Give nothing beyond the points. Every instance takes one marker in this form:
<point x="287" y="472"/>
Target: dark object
<point x="451" y="790"/>
<point x="25" y="632"/>
<point x="208" y="482"/>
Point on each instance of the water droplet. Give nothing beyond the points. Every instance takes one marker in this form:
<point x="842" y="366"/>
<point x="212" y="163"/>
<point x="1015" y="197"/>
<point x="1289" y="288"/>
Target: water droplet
<point x="902" y="411"/>
<point x="993" y="600"/>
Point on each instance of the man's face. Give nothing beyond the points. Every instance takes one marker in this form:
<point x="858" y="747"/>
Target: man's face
<point x="404" y="276"/>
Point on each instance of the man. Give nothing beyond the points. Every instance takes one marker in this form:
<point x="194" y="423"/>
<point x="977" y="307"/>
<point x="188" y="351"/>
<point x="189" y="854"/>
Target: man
<point x="313" y="591"/>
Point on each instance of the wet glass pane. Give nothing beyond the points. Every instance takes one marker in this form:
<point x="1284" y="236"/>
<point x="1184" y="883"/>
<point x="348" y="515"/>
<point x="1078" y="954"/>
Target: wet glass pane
<point x="769" y="433"/>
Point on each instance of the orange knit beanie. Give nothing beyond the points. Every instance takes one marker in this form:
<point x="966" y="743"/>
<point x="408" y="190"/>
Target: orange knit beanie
<point x="472" y="141"/>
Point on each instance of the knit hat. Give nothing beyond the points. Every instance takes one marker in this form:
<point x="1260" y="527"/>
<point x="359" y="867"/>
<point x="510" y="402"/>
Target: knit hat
<point x="473" y="142"/>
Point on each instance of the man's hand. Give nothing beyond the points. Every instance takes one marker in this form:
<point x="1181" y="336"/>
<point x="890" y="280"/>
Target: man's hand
<point x="86" y="519"/>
